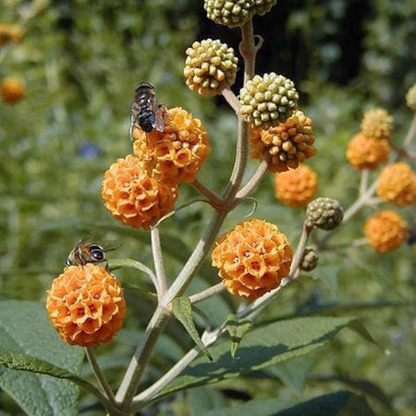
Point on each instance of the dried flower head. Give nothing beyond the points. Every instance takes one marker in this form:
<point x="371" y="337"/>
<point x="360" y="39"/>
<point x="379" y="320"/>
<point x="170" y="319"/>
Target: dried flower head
<point x="177" y="154"/>
<point x="210" y="66"/>
<point x="296" y="188"/>
<point x="10" y="33"/>
<point x="133" y="197"/>
<point x="252" y="258"/>
<point x="385" y="230"/>
<point x="377" y="124"/>
<point x="288" y="144"/>
<point x="324" y="213"/>
<point x="310" y="260"/>
<point x="268" y="101"/>
<point x="86" y="305"/>
<point x="231" y="13"/>
<point x="367" y="153"/>
<point x="397" y="184"/>
<point x="12" y="90"/>
<point x="411" y="97"/>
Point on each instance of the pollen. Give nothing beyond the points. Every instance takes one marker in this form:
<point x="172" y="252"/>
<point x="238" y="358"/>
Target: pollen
<point x="86" y="305"/>
<point x="252" y="258"/>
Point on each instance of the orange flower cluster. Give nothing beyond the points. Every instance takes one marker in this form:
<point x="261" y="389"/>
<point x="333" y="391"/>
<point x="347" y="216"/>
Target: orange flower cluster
<point x="296" y="188"/>
<point x="288" y="144"/>
<point x="12" y="90"/>
<point x="366" y="152"/>
<point x="86" y="305"/>
<point x="10" y="33"/>
<point x="133" y="197"/>
<point x="177" y="154"/>
<point x="252" y="258"/>
<point x="386" y="230"/>
<point x="397" y="184"/>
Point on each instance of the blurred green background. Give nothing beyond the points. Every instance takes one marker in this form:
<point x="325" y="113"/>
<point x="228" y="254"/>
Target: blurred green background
<point x="79" y="62"/>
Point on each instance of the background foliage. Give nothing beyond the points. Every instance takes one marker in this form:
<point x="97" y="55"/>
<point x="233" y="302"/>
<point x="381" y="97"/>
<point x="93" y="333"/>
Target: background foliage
<point x="80" y="61"/>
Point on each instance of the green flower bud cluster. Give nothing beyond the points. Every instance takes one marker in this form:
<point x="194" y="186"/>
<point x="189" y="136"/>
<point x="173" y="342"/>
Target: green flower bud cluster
<point x="210" y="66"/>
<point x="268" y="100"/>
<point x="235" y="13"/>
<point x="411" y="97"/>
<point x="377" y="123"/>
<point x="310" y="259"/>
<point x="324" y="213"/>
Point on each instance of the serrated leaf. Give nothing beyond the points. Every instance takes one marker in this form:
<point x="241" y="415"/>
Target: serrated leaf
<point x="237" y="328"/>
<point x="261" y="348"/>
<point x="26" y="330"/>
<point x="182" y="309"/>
<point x="342" y="403"/>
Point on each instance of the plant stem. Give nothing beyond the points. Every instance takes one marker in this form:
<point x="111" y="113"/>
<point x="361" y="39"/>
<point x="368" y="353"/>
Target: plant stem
<point x="248" y="50"/>
<point x="161" y="287"/>
<point x="364" y="181"/>
<point x="102" y="381"/>
<point x="207" y="293"/>
<point x="117" y="264"/>
<point x="410" y="134"/>
<point x="253" y="181"/>
<point x="231" y="99"/>
<point x="212" y="197"/>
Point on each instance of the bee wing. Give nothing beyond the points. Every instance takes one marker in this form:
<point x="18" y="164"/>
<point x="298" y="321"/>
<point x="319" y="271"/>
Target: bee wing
<point x="133" y="120"/>
<point x="159" y="123"/>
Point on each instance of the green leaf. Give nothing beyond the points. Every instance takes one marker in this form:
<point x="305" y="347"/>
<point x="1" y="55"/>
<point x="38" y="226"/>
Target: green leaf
<point x="293" y="373"/>
<point x="342" y="403"/>
<point x="260" y="348"/>
<point x="182" y="309"/>
<point x="329" y="276"/>
<point x="26" y="331"/>
<point x="205" y="398"/>
<point x="237" y="328"/>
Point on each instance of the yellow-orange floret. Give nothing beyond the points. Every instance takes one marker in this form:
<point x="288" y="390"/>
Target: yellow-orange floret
<point x="177" y="154"/>
<point x="252" y="258"/>
<point x="385" y="230"/>
<point x="10" y="33"/>
<point x="296" y="188"/>
<point x="133" y="197"/>
<point x="12" y="90"/>
<point x="397" y="184"/>
<point x="287" y="145"/>
<point x="86" y="305"/>
<point x="377" y="123"/>
<point x="367" y="153"/>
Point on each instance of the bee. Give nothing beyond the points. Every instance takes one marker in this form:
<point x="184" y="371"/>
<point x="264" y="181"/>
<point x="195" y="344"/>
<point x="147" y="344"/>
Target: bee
<point x="146" y="113"/>
<point x="84" y="253"/>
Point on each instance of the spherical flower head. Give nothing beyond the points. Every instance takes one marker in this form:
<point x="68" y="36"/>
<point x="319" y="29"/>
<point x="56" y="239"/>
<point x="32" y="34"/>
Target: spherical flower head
<point x="133" y="197"/>
<point x="252" y="258"/>
<point x="411" y="97"/>
<point x="10" y="33"/>
<point x="367" y="153"/>
<point x="268" y="101"/>
<point x="210" y="66"/>
<point x="385" y="230"/>
<point x="397" y="184"/>
<point x="86" y="305"/>
<point x="296" y="188"/>
<point x="309" y="260"/>
<point x="177" y="154"/>
<point x="12" y="90"/>
<point x="324" y="213"/>
<point x="287" y="145"/>
<point x="262" y="7"/>
<point x="377" y="123"/>
<point x="231" y="13"/>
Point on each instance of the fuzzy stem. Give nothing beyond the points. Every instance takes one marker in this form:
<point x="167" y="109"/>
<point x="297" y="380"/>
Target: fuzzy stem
<point x="248" y="50"/>
<point x="364" y="181"/>
<point x="410" y="134"/>
<point x="253" y="181"/>
<point x="102" y="381"/>
<point x="231" y="99"/>
<point x="207" y="293"/>
<point x="158" y="261"/>
<point x="212" y="197"/>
